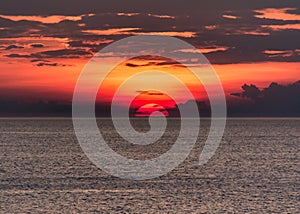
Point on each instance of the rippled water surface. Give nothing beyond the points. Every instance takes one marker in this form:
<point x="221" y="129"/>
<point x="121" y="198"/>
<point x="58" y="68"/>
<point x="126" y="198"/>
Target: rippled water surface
<point x="255" y="169"/>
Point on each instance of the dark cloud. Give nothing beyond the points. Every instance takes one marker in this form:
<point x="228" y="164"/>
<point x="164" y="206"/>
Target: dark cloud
<point x="37" y="45"/>
<point x="13" y="47"/>
<point x="135" y="65"/>
<point x="39" y="60"/>
<point x="149" y="60"/>
<point x="18" y="56"/>
<point x="245" y="36"/>
<point x="62" y="53"/>
<point x="42" y="62"/>
<point x="79" y="43"/>
<point x="164" y="63"/>
<point x="46" y="64"/>
<point x="172" y="7"/>
<point x="94" y="44"/>
<point x="250" y="91"/>
<point x="170" y="62"/>
<point x="275" y="100"/>
<point x="203" y="107"/>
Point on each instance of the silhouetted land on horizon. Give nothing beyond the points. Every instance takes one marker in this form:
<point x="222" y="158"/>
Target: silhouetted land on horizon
<point x="274" y="101"/>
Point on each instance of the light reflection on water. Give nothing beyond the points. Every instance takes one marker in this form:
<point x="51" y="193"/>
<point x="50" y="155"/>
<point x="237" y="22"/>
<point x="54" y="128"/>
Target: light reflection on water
<point x="257" y="167"/>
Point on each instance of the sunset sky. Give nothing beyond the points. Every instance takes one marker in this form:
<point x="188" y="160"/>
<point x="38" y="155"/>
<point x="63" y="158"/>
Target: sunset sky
<point x="44" y="45"/>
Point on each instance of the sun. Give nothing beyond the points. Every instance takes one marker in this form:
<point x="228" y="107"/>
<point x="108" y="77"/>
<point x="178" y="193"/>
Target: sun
<point x="151" y="109"/>
<point x="154" y="103"/>
<point x="142" y="92"/>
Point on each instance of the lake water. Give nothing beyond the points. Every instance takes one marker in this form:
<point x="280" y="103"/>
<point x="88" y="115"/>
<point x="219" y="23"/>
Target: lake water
<point x="255" y="169"/>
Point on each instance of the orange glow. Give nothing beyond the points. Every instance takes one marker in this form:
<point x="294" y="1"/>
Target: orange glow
<point x="275" y="53"/>
<point x="211" y="27"/>
<point x="205" y="49"/>
<point x="48" y="43"/>
<point x="156" y="97"/>
<point x="128" y="14"/>
<point x="43" y="19"/>
<point x="43" y="60"/>
<point x="112" y="31"/>
<point x="245" y="32"/>
<point x="185" y="34"/>
<point x="149" y="102"/>
<point x="151" y="109"/>
<point x="25" y="81"/>
<point x="161" y="16"/>
<point x="20" y="78"/>
<point x="278" y="14"/>
<point x="283" y="27"/>
<point x="118" y="75"/>
<point x="233" y="76"/>
<point x="131" y="31"/>
<point x="230" y="16"/>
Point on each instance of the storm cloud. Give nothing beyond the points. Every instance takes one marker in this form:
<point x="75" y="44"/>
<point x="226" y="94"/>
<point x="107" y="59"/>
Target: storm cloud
<point x="275" y="100"/>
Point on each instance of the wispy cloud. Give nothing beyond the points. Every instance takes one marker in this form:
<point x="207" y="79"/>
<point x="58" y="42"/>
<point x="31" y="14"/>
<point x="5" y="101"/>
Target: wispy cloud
<point x="44" y="19"/>
<point x="211" y="27"/>
<point x="37" y="45"/>
<point x="40" y="64"/>
<point x="14" y="47"/>
<point x="277" y="14"/>
<point x="61" y="53"/>
<point x="161" y="16"/>
<point x="282" y="27"/>
<point x="185" y="34"/>
<point x="128" y="14"/>
<point x="279" y="53"/>
<point x="257" y="32"/>
<point x="208" y="49"/>
<point x="227" y="16"/>
<point x="112" y="31"/>
<point x="133" y="31"/>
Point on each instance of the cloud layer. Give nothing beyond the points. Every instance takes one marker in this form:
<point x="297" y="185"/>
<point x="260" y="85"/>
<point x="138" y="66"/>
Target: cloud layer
<point x="234" y="32"/>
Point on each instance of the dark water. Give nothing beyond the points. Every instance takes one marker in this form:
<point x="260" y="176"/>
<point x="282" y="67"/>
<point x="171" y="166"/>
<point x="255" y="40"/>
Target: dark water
<point x="255" y="169"/>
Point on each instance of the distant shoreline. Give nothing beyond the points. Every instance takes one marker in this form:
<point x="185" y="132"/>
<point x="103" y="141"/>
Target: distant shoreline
<point x="205" y="118"/>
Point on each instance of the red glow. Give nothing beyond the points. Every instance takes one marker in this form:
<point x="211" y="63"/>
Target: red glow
<point x="151" y="109"/>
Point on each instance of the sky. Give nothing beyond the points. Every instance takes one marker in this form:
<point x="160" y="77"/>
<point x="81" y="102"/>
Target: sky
<point x="44" y="45"/>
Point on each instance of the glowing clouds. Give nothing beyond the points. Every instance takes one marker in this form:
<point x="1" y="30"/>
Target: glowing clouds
<point x="277" y="14"/>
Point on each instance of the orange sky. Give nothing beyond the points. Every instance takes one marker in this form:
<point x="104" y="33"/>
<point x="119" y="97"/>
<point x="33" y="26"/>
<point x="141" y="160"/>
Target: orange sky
<point x="24" y="80"/>
<point x="41" y="56"/>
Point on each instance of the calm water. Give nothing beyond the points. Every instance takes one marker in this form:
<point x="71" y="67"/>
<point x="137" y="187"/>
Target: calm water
<point x="255" y="169"/>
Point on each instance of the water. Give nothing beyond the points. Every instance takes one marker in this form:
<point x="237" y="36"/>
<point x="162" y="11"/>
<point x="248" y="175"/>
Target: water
<point x="255" y="169"/>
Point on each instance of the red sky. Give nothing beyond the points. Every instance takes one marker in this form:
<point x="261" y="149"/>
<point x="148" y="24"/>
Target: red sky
<point x="29" y="82"/>
<point x="42" y="55"/>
